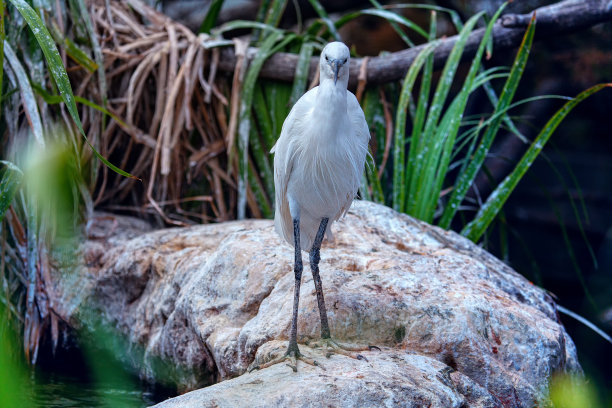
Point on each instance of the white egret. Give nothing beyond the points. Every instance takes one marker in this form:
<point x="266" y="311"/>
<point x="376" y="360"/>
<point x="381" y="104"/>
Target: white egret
<point x="318" y="165"/>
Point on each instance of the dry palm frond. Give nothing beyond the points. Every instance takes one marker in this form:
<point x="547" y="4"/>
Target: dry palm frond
<point x="162" y="80"/>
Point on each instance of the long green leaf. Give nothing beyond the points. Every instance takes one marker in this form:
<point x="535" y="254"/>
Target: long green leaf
<point x="266" y="49"/>
<point x="374" y="111"/>
<point x="417" y="141"/>
<point x="325" y="18"/>
<point x="572" y="202"/>
<point x="301" y="72"/>
<point x="277" y="96"/>
<point x="58" y="72"/>
<point x="488" y="88"/>
<point x="399" y="145"/>
<point x="97" y="50"/>
<point x="395" y="26"/>
<point x="441" y="153"/>
<point x="2" y="37"/>
<point x="396" y="18"/>
<point x="238" y="24"/>
<point x="275" y="12"/>
<point x="55" y="99"/>
<point x="371" y="183"/>
<point x="465" y="179"/>
<point x="258" y="190"/>
<point x="262" y="114"/>
<point x="211" y="16"/>
<point x="417" y="189"/>
<point x="9" y="183"/>
<point x="27" y="95"/>
<point x="498" y="197"/>
<point x="73" y="50"/>
<point x="262" y="160"/>
<point x="390" y="16"/>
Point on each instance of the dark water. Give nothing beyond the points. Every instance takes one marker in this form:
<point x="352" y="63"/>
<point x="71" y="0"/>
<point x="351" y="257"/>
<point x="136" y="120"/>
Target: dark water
<point x="71" y="378"/>
<point x="55" y="390"/>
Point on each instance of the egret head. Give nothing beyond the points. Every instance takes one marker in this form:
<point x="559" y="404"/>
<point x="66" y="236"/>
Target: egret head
<point x="334" y="62"/>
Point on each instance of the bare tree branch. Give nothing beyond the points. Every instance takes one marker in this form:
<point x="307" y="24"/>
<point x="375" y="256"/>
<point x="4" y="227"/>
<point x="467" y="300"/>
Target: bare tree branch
<point x="560" y="18"/>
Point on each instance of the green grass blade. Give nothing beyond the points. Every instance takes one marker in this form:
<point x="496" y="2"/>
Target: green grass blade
<point x="262" y="115"/>
<point x="570" y="251"/>
<point x="325" y="18"/>
<point x="394" y="25"/>
<point x="58" y="72"/>
<point x="572" y="201"/>
<point x="374" y="180"/>
<point x="498" y="197"/>
<point x="454" y="16"/>
<point x="56" y="99"/>
<point x="260" y="195"/>
<point x="239" y="24"/>
<point x="416" y="139"/>
<point x="78" y="55"/>
<point x="418" y="191"/>
<point x="2" y="37"/>
<point x="440" y="154"/>
<point x="262" y="161"/>
<point x="399" y="145"/>
<point x="375" y="118"/>
<point x="393" y="18"/>
<point x="490" y="92"/>
<point x="465" y="179"/>
<point x="396" y="18"/>
<point x="97" y="50"/>
<point x="9" y="184"/>
<point x="267" y="48"/>
<point x="275" y="12"/>
<point x="27" y="94"/>
<point x="211" y="16"/>
<point x="301" y="72"/>
<point x="364" y="190"/>
<point x="339" y="22"/>
<point x="277" y="95"/>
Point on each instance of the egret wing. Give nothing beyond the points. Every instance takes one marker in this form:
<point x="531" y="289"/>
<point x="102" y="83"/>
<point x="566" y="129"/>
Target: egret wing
<point x="284" y="151"/>
<point x="357" y="118"/>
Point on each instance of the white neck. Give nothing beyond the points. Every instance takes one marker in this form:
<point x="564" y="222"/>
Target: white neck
<point x="330" y="109"/>
<point x="332" y="97"/>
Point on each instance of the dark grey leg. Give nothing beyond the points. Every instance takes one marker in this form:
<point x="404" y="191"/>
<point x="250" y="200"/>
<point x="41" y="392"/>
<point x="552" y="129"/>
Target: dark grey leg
<point x="293" y="352"/>
<point x="314" y="267"/>
<point x="332" y="345"/>
<point x="293" y="347"/>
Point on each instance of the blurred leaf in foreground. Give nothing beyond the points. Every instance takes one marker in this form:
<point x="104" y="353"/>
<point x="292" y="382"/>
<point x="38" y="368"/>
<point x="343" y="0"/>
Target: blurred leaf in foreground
<point x="12" y="373"/>
<point x="567" y="391"/>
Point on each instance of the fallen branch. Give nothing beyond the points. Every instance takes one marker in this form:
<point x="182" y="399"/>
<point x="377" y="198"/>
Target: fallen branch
<point x="560" y="18"/>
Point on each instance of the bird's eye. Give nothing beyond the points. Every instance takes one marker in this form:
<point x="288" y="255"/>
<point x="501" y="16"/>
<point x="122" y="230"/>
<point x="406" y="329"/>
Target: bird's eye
<point x="344" y="62"/>
<point x="326" y="58"/>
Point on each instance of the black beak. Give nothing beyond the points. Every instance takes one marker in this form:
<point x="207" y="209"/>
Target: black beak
<point x="336" y="66"/>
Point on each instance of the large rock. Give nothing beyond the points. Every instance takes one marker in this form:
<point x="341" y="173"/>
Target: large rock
<point x="391" y="377"/>
<point x="457" y="327"/>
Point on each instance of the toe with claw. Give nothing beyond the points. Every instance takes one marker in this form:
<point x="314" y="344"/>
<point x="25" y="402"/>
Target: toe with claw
<point x="332" y="346"/>
<point x="292" y="355"/>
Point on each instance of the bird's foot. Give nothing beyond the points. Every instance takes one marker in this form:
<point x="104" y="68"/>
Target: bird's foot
<point x="292" y="355"/>
<point x="332" y="346"/>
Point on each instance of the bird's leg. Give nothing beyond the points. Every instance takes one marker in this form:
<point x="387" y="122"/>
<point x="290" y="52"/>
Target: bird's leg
<point x="293" y="352"/>
<point x="314" y="267"/>
<point x="293" y="349"/>
<point x="326" y="340"/>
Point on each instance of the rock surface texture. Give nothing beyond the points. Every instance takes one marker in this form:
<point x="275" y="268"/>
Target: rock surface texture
<point x="457" y="327"/>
